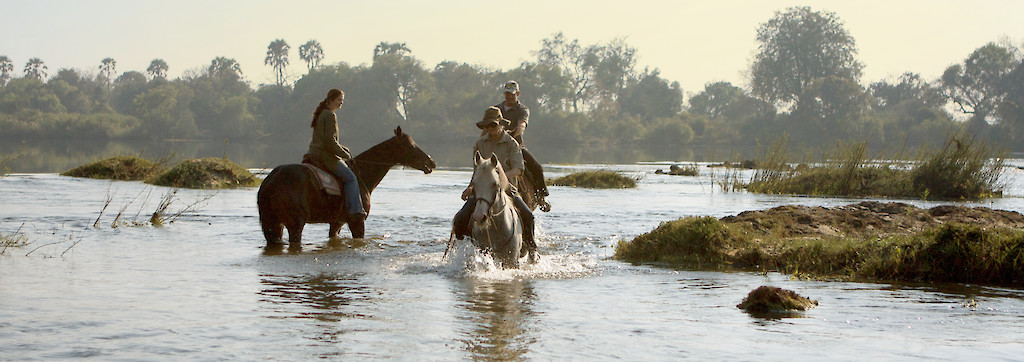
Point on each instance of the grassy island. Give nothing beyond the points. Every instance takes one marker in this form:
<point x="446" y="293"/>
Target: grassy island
<point x="124" y="168"/>
<point x="206" y="173"/>
<point x="599" y="179"/>
<point x="868" y="241"/>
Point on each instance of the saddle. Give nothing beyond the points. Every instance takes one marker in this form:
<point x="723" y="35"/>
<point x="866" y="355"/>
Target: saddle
<point x="325" y="180"/>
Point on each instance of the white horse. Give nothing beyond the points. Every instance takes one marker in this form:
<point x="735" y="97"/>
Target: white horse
<point x="496" y="224"/>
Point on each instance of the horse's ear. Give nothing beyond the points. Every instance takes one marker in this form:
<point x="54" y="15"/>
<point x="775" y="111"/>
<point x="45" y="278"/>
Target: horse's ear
<point x="477" y="158"/>
<point x="398" y="131"/>
<point x="494" y="158"/>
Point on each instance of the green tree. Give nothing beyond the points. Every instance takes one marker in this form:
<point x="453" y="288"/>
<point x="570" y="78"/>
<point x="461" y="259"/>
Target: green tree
<point x="975" y="86"/>
<point x="35" y="68"/>
<point x="165" y="111"/>
<point x="833" y="108"/>
<point x="653" y="97"/>
<point x="312" y="53"/>
<point x="577" y="62"/>
<point x="126" y="87"/>
<point x="224" y="68"/>
<point x="68" y="84"/>
<point x="543" y="87"/>
<point x="909" y="87"/>
<point x="157" y="69"/>
<point x="615" y="70"/>
<point x="277" y="58"/>
<point x="401" y="75"/>
<point x="6" y="67"/>
<point x="29" y="95"/>
<point x="734" y="107"/>
<point x="798" y="46"/>
<point x="108" y="67"/>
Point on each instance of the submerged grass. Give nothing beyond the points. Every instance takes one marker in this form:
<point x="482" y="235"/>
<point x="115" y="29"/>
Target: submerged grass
<point x="954" y="252"/>
<point x="963" y="168"/>
<point x="206" y="173"/>
<point x="599" y="179"/>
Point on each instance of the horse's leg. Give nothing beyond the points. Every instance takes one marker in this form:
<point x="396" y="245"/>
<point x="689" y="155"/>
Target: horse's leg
<point x="272" y="231"/>
<point x="357" y="227"/>
<point x="295" y="232"/>
<point x="335" y="229"/>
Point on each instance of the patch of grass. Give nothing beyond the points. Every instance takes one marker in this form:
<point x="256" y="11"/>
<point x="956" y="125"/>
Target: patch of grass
<point x="963" y="169"/>
<point x="125" y="168"/>
<point x="767" y="299"/>
<point x="206" y="173"/>
<point x="600" y="179"/>
<point x="953" y="252"/>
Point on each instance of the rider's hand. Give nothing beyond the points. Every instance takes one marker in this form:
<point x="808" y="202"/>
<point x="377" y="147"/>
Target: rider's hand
<point x="467" y="193"/>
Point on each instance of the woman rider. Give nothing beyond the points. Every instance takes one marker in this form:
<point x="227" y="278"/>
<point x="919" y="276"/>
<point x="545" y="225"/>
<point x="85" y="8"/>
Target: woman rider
<point x="326" y="152"/>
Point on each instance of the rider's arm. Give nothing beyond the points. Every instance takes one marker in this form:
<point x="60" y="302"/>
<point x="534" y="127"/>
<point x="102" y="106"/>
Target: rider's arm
<point x="329" y="127"/>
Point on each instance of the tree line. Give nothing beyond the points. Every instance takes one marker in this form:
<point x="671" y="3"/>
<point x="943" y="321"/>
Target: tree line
<point x="804" y="84"/>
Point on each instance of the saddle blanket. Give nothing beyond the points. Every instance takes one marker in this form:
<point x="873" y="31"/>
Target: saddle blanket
<point x="325" y="180"/>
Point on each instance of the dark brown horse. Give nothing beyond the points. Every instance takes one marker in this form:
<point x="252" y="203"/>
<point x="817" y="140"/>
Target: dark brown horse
<point x="290" y="197"/>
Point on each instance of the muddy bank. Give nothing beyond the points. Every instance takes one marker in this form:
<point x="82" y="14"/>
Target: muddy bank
<point x="869" y="218"/>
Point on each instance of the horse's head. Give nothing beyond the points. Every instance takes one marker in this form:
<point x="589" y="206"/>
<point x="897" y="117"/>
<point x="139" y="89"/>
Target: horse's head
<point x="489" y="184"/>
<point x="409" y="154"/>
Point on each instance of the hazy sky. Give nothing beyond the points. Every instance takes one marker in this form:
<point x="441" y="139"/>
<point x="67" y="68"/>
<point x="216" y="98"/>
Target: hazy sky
<point x="692" y="42"/>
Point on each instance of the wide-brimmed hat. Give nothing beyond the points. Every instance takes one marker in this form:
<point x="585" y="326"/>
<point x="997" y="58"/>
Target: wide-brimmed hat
<point x="492" y="116"/>
<point x="511" y="87"/>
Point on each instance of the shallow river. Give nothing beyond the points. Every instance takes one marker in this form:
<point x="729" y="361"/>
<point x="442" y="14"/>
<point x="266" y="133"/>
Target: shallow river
<point x="202" y="287"/>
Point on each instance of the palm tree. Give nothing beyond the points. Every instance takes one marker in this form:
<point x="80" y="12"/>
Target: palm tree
<point x="157" y="69"/>
<point x="224" y="67"/>
<point x="312" y="53"/>
<point x="6" y="67"/>
<point x="35" y="68"/>
<point x="108" y="66"/>
<point x="277" y="57"/>
<point x="385" y="48"/>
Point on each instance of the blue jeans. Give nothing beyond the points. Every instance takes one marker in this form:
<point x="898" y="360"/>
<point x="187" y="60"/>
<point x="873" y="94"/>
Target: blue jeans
<point x="353" y="202"/>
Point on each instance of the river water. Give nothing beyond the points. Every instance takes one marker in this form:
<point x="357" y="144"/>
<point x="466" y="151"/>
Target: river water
<point x="93" y="284"/>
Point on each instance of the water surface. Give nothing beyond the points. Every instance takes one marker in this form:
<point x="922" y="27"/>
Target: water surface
<point x="203" y="287"/>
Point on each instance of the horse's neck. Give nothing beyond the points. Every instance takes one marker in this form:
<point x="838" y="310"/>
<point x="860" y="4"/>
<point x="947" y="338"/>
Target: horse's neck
<point x="371" y="166"/>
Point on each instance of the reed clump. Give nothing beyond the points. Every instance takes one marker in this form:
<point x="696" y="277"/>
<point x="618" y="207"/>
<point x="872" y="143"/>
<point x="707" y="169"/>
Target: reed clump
<point x="124" y="168"/>
<point x="598" y="179"/>
<point x="939" y="250"/>
<point x="206" y="173"/>
<point x="963" y="169"/>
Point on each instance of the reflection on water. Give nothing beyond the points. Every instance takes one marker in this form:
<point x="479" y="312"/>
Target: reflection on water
<point x="323" y="297"/>
<point x="499" y="314"/>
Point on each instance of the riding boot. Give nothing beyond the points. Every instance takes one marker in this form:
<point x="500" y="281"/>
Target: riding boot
<point x="535" y="172"/>
<point x="356" y="224"/>
<point x="460" y="224"/>
<point x="527" y="217"/>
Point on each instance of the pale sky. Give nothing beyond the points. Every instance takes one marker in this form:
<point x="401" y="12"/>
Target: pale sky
<point x="692" y="42"/>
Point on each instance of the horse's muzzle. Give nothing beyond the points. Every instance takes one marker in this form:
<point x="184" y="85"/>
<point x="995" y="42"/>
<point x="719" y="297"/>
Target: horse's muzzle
<point x="429" y="166"/>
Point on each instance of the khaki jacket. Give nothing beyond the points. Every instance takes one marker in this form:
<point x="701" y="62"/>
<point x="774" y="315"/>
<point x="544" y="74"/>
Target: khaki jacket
<point x="507" y="150"/>
<point x="324" y="147"/>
